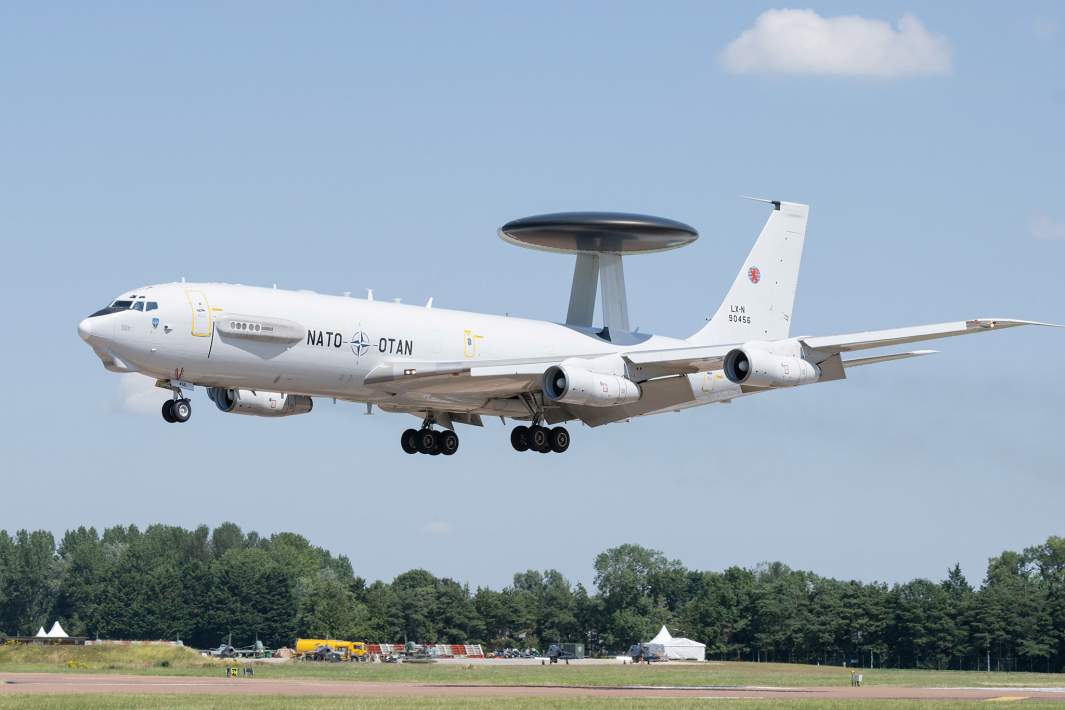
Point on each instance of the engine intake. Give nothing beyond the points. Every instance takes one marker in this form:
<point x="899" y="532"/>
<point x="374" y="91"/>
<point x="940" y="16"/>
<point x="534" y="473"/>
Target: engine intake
<point x="567" y="384"/>
<point x="259" y="404"/>
<point x="762" y="368"/>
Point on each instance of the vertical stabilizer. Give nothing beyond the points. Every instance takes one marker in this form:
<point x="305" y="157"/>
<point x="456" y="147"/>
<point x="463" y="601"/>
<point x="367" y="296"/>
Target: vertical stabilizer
<point x="759" y="304"/>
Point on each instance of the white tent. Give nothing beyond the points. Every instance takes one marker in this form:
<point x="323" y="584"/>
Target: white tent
<point x="41" y="633"/>
<point x="680" y="649"/>
<point x="56" y="632"/>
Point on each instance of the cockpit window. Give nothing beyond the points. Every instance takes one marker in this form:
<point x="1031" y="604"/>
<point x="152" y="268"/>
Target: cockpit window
<point x="138" y="306"/>
<point x="152" y="305"/>
<point x="122" y="304"/>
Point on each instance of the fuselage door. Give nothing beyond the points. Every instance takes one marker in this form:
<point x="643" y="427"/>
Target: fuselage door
<point x="201" y="313"/>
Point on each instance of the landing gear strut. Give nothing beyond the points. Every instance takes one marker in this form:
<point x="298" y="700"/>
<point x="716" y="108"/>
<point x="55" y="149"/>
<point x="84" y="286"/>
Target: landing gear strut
<point x="429" y="441"/>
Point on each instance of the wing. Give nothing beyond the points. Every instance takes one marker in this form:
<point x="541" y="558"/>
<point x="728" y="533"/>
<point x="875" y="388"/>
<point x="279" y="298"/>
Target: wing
<point x="509" y="377"/>
<point x="659" y="363"/>
<point x="661" y="372"/>
<point x="832" y="344"/>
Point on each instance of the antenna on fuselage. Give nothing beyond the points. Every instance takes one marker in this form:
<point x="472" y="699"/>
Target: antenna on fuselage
<point x="369" y="294"/>
<point x="429" y="303"/>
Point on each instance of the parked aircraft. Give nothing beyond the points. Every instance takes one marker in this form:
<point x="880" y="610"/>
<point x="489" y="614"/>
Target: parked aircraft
<point x="268" y="351"/>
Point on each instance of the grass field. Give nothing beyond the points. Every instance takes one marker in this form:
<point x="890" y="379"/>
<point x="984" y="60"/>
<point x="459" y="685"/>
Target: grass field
<point x="222" y="702"/>
<point x="162" y="660"/>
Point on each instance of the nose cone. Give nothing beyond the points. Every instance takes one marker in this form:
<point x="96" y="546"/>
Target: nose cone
<point x="85" y="329"/>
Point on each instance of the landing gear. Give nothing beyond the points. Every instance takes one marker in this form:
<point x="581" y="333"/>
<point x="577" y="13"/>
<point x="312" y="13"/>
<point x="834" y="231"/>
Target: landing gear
<point x="539" y="438"/>
<point x="182" y="410"/>
<point x="409" y="441"/>
<point x="447" y="441"/>
<point x="536" y="437"/>
<point x="559" y="439"/>
<point x="429" y="441"/>
<point x="177" y="410"/>
<point x="519" y="438"/>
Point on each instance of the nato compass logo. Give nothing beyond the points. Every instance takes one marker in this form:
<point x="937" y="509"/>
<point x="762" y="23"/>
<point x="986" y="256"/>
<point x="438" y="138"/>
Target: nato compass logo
<point x="360" y="344"/>
<point x="155" y="322"/>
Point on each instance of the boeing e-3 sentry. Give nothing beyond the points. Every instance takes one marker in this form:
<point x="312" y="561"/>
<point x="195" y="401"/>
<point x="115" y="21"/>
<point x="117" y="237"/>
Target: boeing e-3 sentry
<point x="268" y="352"/>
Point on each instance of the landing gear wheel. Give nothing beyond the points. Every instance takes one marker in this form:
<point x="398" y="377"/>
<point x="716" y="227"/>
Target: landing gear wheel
<point x="425" y="441"/>
<point x="519" y="438"/>
<point x="436" y="444"/>
<point x="181" y="410"/>
<point x="539" y="439"/>
<point x="409" y="441"/>
<point x="559" y="439"/>
<point x="449" y="442"/>
<point x="168" y="411"/>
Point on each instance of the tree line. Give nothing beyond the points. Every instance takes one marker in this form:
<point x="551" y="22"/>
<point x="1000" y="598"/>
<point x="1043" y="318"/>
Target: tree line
<point x="200" y="585"/>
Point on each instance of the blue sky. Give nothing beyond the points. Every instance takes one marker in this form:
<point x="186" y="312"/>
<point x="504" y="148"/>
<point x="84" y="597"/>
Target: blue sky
<point x="348" y="146"/>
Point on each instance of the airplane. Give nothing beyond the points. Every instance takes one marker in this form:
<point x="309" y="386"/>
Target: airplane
<point x="268" y="351"/>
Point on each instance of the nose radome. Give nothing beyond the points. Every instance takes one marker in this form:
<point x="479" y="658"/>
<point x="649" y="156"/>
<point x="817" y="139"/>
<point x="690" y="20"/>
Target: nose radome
<point x="85" y="329"/>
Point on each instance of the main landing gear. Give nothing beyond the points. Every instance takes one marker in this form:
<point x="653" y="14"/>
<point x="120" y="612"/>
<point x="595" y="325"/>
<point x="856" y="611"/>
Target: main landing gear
<point x="177" y="411"/>
<point x="429" y="441"/>
<point x="540" y="438"/>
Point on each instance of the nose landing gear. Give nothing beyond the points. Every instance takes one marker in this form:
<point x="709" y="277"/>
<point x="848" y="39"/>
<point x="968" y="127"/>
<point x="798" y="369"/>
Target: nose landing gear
<point x="177" y="411"/>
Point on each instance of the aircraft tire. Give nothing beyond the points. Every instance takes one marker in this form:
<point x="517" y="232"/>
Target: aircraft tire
<point x="540" y="439"/>
<point x="182" y="410"/>
<point x="559" y="439"/>
<point x="519" y="438"/>
<point x="436" y="450"/>
<point x="426" y="441"/>
<point x="449" y="442"/>
<point x="409" y="441"/>
<point x="168" y="411"/>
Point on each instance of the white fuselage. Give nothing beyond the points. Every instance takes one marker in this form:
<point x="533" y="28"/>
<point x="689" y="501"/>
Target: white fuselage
<point x="188" y="337"/>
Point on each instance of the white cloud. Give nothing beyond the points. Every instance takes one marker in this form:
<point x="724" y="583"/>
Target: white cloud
<point x="1046" y="229"/>
<point x="803" y="42"/>
<point x="138" y="394"/>
<point x="436" y="527"/>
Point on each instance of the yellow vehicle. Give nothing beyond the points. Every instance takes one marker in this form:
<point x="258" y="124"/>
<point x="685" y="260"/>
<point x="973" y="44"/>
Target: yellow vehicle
<point x="331" y="649"/>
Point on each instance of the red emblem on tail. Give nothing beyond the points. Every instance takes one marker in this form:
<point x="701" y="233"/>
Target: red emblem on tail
<point x="754" y="274"/>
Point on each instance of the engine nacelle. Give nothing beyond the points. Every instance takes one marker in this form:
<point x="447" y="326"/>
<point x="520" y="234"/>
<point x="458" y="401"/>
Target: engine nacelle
<point x="568" y="384"/>
<point x="259" y="404"/>
<point x="761" y="367"/>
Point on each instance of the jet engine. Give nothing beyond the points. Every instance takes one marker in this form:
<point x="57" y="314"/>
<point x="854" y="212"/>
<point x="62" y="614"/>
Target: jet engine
<point x="761" y="367"/>
<point x="567" y="384"/>
<point x="259" y="404"/>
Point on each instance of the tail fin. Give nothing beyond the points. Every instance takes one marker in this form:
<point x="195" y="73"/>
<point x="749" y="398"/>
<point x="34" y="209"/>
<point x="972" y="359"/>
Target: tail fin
<point x="758" y="306"/>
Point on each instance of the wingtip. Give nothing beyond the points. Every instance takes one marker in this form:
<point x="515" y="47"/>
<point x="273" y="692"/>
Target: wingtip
<point x="991" y="323"/>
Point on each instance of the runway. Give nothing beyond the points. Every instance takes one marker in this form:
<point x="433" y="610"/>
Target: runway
<point x="75" y="683"/>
